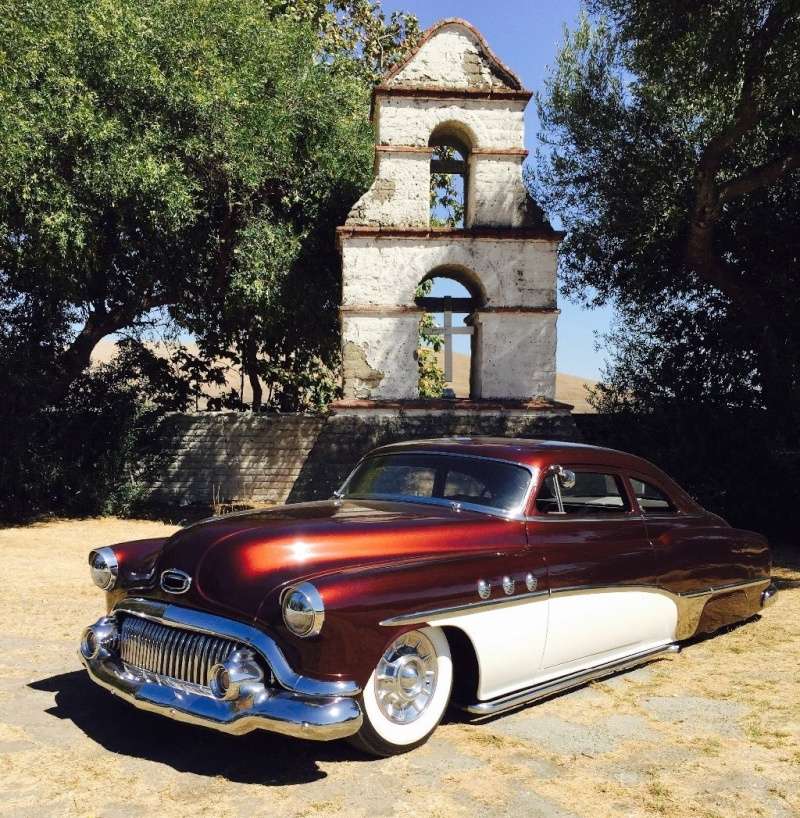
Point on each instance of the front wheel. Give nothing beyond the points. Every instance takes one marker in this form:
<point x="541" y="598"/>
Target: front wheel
<point x="407" y="694"/>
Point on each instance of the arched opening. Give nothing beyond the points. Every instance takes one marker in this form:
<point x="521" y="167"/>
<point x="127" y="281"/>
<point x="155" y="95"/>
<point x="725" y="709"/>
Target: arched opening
<point x="449" y="176"/>
<point x="448" y="338"/>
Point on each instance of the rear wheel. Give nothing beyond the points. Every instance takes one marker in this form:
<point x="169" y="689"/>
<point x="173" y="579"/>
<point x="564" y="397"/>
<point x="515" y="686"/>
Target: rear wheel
<point x="407" y="694"/>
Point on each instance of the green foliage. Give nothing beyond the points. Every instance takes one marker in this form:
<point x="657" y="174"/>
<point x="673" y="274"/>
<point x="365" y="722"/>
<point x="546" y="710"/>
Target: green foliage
<point x="87" y="456"/>
<point x="672" y="142"/>
<point x="183" y="155"/>
<point x="431" y="375"/>
<point x="447" y="194"/>
<point x="723" y="457"/>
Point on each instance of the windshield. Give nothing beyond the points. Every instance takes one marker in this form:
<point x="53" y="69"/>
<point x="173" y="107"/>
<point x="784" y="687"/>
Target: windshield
<point x="429" y="477"/>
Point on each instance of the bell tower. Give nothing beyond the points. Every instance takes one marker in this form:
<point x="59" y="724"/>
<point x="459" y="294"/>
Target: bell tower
<point x="452" y="106"/>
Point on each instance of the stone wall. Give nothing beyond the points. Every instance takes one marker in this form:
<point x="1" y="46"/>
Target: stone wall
<point x="229" y="456"/>
<point x="261" y="459"/>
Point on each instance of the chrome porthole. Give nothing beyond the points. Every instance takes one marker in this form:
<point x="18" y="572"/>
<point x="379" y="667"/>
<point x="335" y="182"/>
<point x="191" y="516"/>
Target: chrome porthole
<point x="405" y="679"/>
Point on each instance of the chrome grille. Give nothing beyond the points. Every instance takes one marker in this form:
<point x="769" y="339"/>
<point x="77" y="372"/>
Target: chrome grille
<point x="172" y="653"/>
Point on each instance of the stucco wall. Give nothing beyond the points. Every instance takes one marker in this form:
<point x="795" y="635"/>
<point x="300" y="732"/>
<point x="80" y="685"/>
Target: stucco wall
<point x="456" y="87"/>
<point x="386" y="271"/>
<point x="486" y="123"/>
<point x="517" y="354"/>
<point x="455" y="57"/>
<point x="378" y="355"/>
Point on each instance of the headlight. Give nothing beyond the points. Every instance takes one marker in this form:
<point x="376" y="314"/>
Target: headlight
<point x="303" y="611"/>
<point x="104" y="568"/>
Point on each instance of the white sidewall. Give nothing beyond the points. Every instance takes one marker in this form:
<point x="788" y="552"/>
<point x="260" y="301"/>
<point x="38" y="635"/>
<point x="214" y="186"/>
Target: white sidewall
<point x="403" y="734"/>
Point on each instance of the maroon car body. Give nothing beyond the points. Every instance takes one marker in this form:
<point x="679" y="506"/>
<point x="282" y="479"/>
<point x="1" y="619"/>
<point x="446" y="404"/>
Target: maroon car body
<point x="597" y="536"/>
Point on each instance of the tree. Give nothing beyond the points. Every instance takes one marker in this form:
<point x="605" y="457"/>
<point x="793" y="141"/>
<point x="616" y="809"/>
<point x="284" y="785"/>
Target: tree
<point x="278" y="320"/>
<point x="178" y="155"/>
<point x="672" y="144"/>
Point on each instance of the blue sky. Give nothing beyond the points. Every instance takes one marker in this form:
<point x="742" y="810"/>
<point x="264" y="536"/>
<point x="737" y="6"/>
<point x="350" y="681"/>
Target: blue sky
<point x="526" y="34"/>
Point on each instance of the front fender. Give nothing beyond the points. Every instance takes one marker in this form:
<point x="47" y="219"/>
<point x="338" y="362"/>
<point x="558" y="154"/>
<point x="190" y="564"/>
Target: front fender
<point x="353" y="639"/>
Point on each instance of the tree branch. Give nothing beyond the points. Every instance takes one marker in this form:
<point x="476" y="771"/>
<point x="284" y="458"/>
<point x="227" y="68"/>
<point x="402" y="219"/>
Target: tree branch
<point x="747" y="108"/>
<point x="763" y="176"/>
<point x="701" y="253"/>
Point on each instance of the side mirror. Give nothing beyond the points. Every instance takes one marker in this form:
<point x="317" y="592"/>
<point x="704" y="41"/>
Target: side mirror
<point x="566" y="477"/>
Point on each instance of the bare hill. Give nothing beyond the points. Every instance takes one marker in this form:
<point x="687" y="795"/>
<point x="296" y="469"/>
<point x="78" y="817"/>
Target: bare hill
<point x="570" y="389"/>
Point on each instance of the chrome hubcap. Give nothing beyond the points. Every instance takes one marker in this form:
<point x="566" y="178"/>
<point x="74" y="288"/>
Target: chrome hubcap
<point x="405" y="679"/>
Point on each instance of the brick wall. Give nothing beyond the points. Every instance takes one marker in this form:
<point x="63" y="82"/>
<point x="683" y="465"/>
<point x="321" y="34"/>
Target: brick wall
<point x="257" y="459"/>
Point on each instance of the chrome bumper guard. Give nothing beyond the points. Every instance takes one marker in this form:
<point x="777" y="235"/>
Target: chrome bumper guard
<point x="301" y="707"/>
<point x="769" y="595"/>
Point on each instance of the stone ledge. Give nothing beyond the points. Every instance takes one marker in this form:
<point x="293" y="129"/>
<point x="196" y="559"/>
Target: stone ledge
<point x="457" y="406"/>
<point x="540" y="233"/>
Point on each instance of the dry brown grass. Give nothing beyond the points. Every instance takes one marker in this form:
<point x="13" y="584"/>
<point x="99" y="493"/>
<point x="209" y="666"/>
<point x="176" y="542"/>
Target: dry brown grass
<point x="713" y="733"/>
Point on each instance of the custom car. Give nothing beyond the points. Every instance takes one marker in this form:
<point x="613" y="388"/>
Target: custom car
<point x="482" y="573"/>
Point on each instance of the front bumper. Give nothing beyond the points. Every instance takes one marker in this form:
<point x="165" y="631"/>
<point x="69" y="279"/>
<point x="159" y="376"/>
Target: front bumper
<point x="315" y="711"/>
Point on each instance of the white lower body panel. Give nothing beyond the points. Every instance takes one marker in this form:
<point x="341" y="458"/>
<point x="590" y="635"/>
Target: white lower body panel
<point x="520" y="645"/>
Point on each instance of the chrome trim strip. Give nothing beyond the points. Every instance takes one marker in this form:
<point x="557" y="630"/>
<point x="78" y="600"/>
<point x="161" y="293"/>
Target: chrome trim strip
<point x="423" y="616"/>
<point x="212" y="625"/>
<point x="608" y="518"/>
<point x="690" y="604"/>
<point x="563" y="683"/>
<point x="731" y="586"/>
<point x="513" y="514"/>
<point x="280" y="711"/>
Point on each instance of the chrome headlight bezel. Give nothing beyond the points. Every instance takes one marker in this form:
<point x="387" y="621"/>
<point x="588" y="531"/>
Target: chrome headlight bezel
<point x="104" y="568"/>
<point x="303" y="610"/>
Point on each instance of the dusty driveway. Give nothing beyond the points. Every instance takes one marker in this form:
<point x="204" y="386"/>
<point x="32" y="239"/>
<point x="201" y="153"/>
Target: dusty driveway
<point x="714" y="732"/>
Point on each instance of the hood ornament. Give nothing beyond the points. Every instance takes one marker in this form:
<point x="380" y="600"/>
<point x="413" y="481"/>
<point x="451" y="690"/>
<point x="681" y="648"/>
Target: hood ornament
<point x="174" y="581"/>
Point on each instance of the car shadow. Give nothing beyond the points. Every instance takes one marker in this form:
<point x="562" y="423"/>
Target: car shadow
<point x="255" y="758"/>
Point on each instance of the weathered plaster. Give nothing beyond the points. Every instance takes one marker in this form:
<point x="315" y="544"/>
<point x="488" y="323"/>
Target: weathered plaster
<point x="455" y="56"/>
<point x="489" y="123"/>
<point x="516" y="350"/>
<point x="387" y="271"/>
<point x="517" y="354"/>
<point x="379" y="356"/>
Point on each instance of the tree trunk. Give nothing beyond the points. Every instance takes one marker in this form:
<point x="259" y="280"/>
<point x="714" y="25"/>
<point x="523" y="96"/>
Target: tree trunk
<point x="250" y="364"/>
<point x="76" y="358"/>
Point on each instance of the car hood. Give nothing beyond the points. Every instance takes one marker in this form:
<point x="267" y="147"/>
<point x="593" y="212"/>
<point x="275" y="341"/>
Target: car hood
<point x="236" y="561"/>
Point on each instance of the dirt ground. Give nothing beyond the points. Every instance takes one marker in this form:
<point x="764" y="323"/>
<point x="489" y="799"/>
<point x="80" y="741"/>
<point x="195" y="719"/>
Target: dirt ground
<point x="712" y="732"/>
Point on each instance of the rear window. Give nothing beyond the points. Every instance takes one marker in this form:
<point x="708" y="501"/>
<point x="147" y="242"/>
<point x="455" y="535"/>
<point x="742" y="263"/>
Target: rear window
<point x="489" y="483"/>
<point x="593" y="494"/>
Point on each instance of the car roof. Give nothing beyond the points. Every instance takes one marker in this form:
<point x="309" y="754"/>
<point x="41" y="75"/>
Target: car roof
<point x="517" y="449"/>
<point x="544" y="453"/>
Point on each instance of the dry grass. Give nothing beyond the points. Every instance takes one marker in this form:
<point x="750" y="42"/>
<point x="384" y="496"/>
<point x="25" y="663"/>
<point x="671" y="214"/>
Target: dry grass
<point x="713" y="733"/>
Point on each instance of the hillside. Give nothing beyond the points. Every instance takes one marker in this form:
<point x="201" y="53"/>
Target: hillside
<point x="570" y="389"/>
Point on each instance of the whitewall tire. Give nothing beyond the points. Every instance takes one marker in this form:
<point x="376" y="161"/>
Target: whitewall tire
<point x="407" y="693"/>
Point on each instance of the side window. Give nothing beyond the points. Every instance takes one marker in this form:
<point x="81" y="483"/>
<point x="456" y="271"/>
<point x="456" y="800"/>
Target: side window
<point x="652" y="500"/>
<point x="592" y="494"/>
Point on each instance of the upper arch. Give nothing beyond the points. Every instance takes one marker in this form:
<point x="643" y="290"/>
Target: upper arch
<point x="463" y="275"/>
<point x="456" y="133"/>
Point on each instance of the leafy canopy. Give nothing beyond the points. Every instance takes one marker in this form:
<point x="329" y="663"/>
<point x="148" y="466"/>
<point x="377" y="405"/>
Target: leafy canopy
<point x="671" y="148"/>
<point x="188" y="155"/>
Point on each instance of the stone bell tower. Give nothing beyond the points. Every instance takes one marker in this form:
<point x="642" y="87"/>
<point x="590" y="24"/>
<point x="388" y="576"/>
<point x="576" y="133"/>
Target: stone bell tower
<point x="451" y="91"/>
